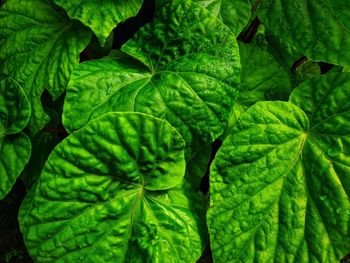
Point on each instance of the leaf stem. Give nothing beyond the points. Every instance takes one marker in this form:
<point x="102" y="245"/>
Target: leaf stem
<point x="247" y="35"/>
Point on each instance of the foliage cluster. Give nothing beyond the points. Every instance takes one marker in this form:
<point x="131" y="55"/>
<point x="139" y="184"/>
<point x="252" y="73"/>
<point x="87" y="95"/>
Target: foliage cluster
<point x="114" y="141"/>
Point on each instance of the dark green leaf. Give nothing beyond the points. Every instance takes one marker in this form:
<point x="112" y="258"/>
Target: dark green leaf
<point x="39" y="48"/>
<point x="262" y="77"/>
<point x="320" y="29"/>
<point x="15" y="146"/>
<point x="197" y="166"/>
<point x="42" y="145"/>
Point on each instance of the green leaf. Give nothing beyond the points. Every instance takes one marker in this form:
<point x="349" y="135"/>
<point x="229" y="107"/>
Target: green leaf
<point x="100" y="16"/>
<point x="306" y="69"/>
<point x="197" y="166"/>
<point x="14" y="155"/>
<point x="320" y="29"/>
<point x="326" y="102"/>
<point x="237" y="111"/>
<point x="262" y="78"/>
<point x="279" y="184"/>
<point x="39" y="48"/>
<point x="114" y="190"/>
<point x="42" y="145"/>
<point x="14" y="108"/>
<point x="184" y="67"/>
<point x="284" y="53"/>
<point x="235" y="14"/>
<point x="15" y="146"/>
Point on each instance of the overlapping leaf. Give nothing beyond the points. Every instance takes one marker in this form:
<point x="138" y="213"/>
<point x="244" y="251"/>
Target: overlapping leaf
<point x="15" y="146"/>
<point x="197" y="166"/>
<point x="42" y="145"/>
<point x="320" y="29"/>
<point x="114" y="191"/>
<point x="184" y="67"/>
<point x="39" y="48"/>
<point x="262" y="78"/>
<point x="280" y="184"/>
<point x="100" y="16"/>
<point x="235" y="14"/>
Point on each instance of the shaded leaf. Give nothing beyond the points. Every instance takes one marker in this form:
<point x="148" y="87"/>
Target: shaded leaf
<point x="320" y="29"/>
<point x="15" y="146"/>
<point x="262" y="79"/>
<point x="39" y="48"/>
<point x="42" y="145"/>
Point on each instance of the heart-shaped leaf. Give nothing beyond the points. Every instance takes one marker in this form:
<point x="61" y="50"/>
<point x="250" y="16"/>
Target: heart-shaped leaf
<point x="114" y="191"/>
<point x="280" y="184"/>
<point x="184" y="67"/>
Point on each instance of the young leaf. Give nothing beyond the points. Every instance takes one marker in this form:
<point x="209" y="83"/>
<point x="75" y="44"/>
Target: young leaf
<point x="100" y="16"/>
<point x="39" y="48"/>
<point x="279" y="184"/>
<point x="15" y="146"/>
<point x="184" y="67"/>
<point x="321" y="29"/>
<point x="114" y="190"/>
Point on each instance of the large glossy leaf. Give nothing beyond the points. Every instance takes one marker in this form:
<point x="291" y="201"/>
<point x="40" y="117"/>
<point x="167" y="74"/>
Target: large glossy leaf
<point x="184" y="67"/>
<point x="39" y="47"/>
<point x="320" y="29"/>
<point x="280" y="183"/>
<point x="100" y="16"/>
<point x="15" y="146"/>
<point x="114" y="191"/>
<point x="235" y="14"/>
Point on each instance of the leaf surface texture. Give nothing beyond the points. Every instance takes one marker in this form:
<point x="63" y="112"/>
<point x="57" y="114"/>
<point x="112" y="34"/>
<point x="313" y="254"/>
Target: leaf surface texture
<point x="114" y="191"/>
<point x="280" y="184"/>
